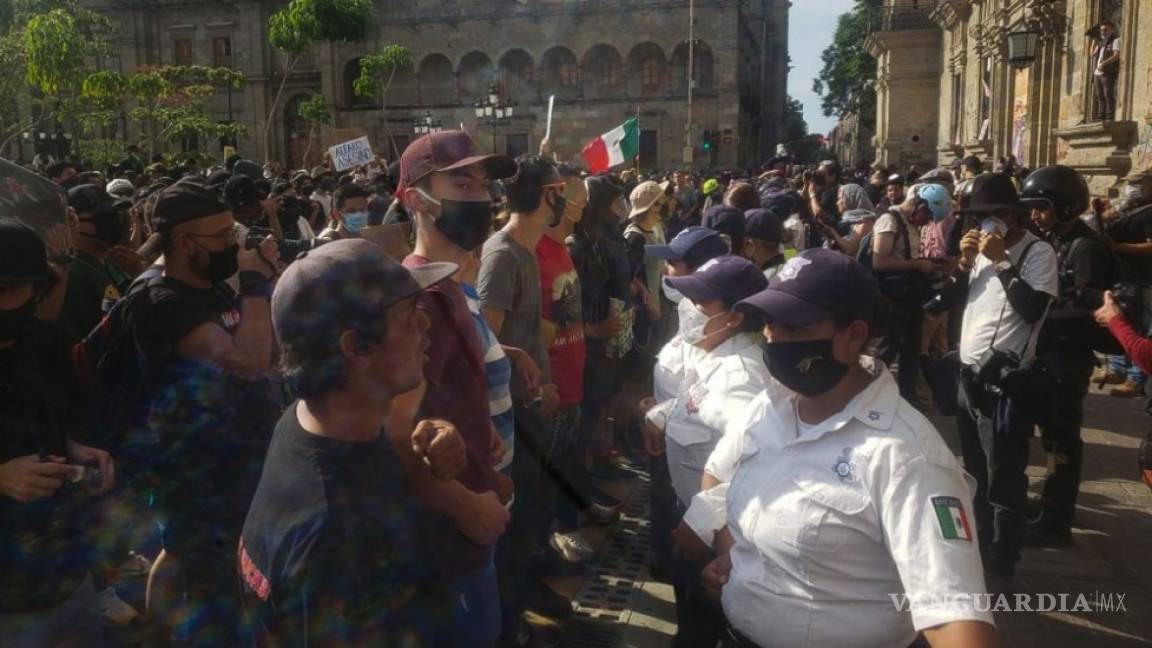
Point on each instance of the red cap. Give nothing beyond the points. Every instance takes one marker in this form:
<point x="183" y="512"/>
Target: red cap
<point x="445" y="151"/>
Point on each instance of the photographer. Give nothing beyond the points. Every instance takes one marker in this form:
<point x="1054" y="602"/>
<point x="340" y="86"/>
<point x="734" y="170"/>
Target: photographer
<point x="47" y="597"/>
<point x="1058" y="195"/>
<point x="1012" y="281"/>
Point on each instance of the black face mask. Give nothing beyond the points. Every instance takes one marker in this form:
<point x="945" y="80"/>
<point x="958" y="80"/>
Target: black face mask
<point x="223" y="263"/>
<point x="15" y="323"/>
<point x="807" y="367"/>
<point x="466" y="223"/>
<point x="559" y="205"/>
<point x="109" y="227"/>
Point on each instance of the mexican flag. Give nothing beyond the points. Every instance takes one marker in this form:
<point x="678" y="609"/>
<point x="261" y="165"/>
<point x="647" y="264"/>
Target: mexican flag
<point x="951" y="518"/>
<point x="613" y="148"/>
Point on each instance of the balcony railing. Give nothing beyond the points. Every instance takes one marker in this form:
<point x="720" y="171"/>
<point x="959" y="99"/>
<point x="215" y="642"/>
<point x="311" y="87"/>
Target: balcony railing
<point x="905" y="17"/>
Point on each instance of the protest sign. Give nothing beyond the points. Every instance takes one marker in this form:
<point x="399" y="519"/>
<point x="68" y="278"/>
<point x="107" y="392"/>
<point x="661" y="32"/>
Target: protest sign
<point x="351" y="153"/>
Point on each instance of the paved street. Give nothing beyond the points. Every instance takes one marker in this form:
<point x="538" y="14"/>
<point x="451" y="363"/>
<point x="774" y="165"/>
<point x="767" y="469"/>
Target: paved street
<point x="1109" y="563"/>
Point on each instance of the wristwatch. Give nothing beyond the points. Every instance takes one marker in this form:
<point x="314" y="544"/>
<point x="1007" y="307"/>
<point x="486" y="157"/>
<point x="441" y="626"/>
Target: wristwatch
<point x="1003" y="266"/>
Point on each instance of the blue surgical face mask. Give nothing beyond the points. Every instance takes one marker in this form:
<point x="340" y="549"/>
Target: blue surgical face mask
<point x="355" y="221"/>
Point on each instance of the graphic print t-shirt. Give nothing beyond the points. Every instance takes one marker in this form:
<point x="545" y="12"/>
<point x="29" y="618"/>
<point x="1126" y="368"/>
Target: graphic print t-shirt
<point x="560" y="304"/>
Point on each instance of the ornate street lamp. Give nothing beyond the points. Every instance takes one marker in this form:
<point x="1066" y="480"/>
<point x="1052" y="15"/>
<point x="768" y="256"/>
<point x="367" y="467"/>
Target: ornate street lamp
<point x="494" y="110"/>
<point x="1022" y="45"/>
<point x="425" y="125"/>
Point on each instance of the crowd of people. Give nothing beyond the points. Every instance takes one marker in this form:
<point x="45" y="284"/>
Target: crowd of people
<point x="376" y="406"/>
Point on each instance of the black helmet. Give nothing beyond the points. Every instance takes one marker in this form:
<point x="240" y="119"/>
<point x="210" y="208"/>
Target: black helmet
<point x="1060" y="187"/>
<point x="22" y="256"/>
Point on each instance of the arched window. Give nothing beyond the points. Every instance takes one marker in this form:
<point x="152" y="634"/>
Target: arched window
<point x="603" y="72"/>
<point x="559" y="73"/>
<point x="518" y="75"/>
<point x="437" y="81"/>
<point x="351" y="99"/>
<point x="646" y="65"/>
<point x="702" y="67"/>
<point x="475" y="75"/>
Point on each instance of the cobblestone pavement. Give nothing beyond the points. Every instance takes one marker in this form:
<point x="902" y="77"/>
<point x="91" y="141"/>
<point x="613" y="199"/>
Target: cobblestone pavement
<point x="1110" y="563"/>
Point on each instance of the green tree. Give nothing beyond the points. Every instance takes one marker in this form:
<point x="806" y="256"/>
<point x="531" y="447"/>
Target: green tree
<point x="303" y="23"/>
<point x="315" y="112"/>
<point x="46" y="47"/>
<point x="376" y="74"/>
<point x="847" y="81"/>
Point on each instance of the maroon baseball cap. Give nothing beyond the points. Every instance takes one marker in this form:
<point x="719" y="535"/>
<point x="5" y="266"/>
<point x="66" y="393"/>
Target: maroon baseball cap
<point x="446" y="151"/>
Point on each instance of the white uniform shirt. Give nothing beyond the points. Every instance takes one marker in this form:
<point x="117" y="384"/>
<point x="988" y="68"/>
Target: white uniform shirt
<point x="716" y="388"/>
<point x="986" y="304"/>
<point x="669" y="370"/>
<point x="829" y="526"/>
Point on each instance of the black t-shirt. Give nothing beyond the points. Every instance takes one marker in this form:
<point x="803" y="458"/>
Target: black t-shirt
<point x="43" y="551"/>
<point x="175" y="309"/>
<point x="331" y="553"/>
<point x="1084" y="262"/>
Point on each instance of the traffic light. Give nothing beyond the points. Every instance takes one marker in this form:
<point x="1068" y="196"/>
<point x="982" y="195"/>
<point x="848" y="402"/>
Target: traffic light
<point x="707" y="140"/>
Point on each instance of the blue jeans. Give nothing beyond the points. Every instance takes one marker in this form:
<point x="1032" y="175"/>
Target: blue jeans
<point x="476" y="618"/>
<point x="1119" y="364"/>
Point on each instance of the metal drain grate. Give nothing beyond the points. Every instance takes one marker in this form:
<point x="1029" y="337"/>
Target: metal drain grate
<point x="604" y="602"/>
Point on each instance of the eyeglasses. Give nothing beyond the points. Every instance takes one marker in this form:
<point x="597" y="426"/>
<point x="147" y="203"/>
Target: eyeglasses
<point x="235" y="234"/>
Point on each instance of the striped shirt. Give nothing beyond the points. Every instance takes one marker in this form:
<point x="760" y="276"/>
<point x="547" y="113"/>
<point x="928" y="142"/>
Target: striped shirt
<point x="498" y="371"/>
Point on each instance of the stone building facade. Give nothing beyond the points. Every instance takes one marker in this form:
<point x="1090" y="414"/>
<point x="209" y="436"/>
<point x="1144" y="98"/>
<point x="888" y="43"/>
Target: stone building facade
<point x="982" y="104"/>
<point x="604" y="60"/>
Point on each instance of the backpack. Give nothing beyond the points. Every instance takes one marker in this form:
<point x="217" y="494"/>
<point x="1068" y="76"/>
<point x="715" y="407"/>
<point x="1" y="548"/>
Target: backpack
<point x="115" y="370"/>
<point x="896" y="286"/>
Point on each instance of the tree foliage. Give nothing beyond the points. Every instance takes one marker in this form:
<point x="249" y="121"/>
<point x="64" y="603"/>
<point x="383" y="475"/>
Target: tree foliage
<point x="304" y="23"/>
<point x="315" y="112"/>
<point x="376" y="74"/>
<point x="847" y="81"/>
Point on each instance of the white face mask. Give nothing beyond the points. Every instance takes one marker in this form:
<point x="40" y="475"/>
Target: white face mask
<point x="993" y="225"/>
<point x="673" y="295"/>
<point x="695" y="334"/>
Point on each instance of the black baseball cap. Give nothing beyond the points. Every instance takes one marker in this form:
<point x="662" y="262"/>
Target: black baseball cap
<point x="334" y="286"/>
<point x="763" y="225"/>
<point x="818" y="285"/>
<point x="187" y="200"/>
<point x="241" y="191"/>
<point x="728" y="278"/>
<point x="90" y="199"/>
<point x="993" y="192"/>
<point x="694" y="246"/>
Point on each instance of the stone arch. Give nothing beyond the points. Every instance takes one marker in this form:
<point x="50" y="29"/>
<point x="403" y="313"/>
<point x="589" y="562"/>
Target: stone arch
<point x="351" y="99"/>
<point x="405" y="88"/>
<point x="517" y="75"/>
<point x="437" y="81"/>
<point x="474" y="75"/>
<point x="560" y="73"/>
<point x="647" y="69"/>
<point x="603" y="72"/>
<point x="704" y="67"/>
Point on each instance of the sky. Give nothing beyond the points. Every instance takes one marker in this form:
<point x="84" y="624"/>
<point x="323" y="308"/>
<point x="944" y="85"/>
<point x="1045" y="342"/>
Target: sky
<point x="810" y="29"/>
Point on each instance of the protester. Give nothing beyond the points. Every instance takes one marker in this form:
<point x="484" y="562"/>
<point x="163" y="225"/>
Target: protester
<point x="95" y="282"/>
<point x="47" y="478"/>
<point x="331" y="550"/>
<point x="443" y="185"/>
<point x="350" y="216"/>
<point x="763" y="240"/>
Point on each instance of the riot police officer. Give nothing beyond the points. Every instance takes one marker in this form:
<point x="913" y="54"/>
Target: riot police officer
<point x="1057" y="196"/>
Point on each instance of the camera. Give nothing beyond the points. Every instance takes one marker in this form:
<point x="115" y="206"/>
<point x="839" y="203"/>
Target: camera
<point x="997" y="369"/>
<point x="1129" y="298"/>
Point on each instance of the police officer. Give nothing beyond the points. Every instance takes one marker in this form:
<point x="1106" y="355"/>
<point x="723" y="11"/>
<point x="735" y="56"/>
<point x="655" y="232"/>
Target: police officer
<point x="839" y="493"/>
<point x="1057" y="196"/>
<point x="46" y="592"/>
<point x="723" y="375"/>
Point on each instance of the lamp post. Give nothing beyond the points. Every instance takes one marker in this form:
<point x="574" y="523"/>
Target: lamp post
<point x="1022" y="45"/>
<point x="494" y="110"/>
<point x="425" y="125"/>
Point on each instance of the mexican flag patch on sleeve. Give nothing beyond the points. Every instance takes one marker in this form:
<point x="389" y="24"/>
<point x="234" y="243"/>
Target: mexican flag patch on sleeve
<point x="951" y="518"/>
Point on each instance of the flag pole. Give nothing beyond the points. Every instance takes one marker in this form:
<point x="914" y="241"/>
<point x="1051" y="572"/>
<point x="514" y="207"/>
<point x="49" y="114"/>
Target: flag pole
<point x="636" y="162"/>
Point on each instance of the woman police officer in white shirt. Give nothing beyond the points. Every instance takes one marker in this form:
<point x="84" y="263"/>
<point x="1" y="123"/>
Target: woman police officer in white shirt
<point x="842" y="508"/>
<point x="720" y="378"/>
